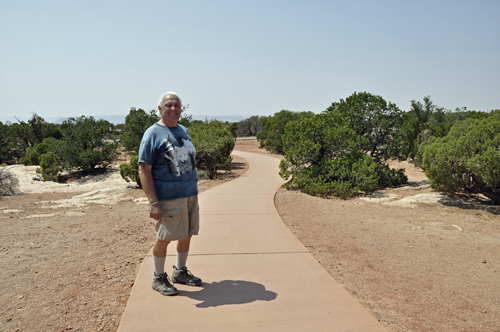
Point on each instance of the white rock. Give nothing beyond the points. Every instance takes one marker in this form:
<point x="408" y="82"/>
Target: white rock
<point x="410" y="201"/>
<point x="380" y="197"/>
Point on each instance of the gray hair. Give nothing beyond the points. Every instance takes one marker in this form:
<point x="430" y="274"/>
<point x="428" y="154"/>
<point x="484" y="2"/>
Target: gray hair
<point x="161" y="100"/>
<point x="168" y="93"/>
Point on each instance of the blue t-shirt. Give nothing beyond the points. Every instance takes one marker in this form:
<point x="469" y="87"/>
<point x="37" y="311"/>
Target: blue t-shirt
<point x="171" y="153"/>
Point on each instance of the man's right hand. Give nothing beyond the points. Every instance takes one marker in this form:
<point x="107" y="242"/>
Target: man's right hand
<point x="156" y="212"/>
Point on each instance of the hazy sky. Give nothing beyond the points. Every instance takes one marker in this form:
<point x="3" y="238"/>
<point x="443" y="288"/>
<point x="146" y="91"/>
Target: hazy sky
<point x="243" y="58"/>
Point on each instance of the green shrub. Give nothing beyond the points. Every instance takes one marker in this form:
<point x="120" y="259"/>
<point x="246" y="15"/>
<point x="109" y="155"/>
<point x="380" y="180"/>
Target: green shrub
<point x="343" y="177"/>
<point x="130" y="171"/>
<point x="251" y="126"/>
<point x="466" y="159"/>
<point x="54" y="131"/>
<point x="49" y="167"/>
<point x="425" y="120"/>
<point x="271" y="135"/>
<point x="388" y="177"/>
<point x="214" y="143"/>
<point x="5" y="143"/>
<point x="32" y="156"/>
<point x="186" y="119"/>
<point x="136" y="123"/>
<point x="318" y="157"/>
<point x="323" y="157"/>
<point x="87" y="143"/>
<point x="374" y="122"/>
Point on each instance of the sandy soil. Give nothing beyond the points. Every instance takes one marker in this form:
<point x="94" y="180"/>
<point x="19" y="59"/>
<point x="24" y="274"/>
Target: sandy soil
<point x="70" y="253"/>
<point x="417" y="260"/>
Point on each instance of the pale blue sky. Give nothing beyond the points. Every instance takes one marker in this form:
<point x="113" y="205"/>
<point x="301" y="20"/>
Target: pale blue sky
<point x="243" y="58"/>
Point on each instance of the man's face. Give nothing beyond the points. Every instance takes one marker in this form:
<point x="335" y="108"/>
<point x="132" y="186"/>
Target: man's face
<point x="170" y="109"/>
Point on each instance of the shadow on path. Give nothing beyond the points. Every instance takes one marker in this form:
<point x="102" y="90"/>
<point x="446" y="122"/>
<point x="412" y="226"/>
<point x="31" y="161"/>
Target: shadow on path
<point x="229" y="292"/>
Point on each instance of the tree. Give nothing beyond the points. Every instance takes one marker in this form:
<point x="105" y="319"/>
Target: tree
<point x="21" y="138"/>
<point x="415" y="125"/>
<point x="87" y="144"/>
<point x="270" y="137"/>
<point x="25" y="135"/>
<point x="33" y="154"/>
<point x="34" y="131"/>
<point x="136" y="123"/>
<point x="38" y="128"/>
<point x="186" y="119"/>
<point x="343" y="150"/>
<point x="323" y="158"/>
<point x="250" y="127"/>
<point x="466" y="159"/>
<point x="53" y="130"/>
<point x="214" y="143"/>
<point x="439" y="123"/>
<point x="5" y="144"/>
<point x="374" y="121"/>
<point x="130" y="171"/>
<point x="50" y="167"/>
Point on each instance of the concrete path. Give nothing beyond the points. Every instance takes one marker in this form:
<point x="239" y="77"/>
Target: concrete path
<point x="256" y="275"/>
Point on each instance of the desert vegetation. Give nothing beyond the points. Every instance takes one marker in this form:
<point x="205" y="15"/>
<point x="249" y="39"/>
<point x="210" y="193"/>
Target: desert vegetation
<point x="85" y="145"/>
<point x="343" y="151"/>
<point x="213" y="140"/>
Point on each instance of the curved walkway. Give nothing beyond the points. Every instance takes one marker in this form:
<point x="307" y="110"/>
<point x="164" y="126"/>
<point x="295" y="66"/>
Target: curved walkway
<point x="256" y="275"/>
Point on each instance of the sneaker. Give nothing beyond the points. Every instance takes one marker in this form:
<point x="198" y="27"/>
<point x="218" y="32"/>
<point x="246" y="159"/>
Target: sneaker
<point x="184" y="276"/>
<point x="162" y="284"/>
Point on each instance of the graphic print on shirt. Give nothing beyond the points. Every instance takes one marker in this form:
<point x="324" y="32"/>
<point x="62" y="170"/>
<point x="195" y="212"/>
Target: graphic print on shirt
<point x="180" y="155"/>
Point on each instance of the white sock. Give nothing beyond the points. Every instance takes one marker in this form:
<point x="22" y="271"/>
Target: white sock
<point x="159" y="264"/>
<point x="181" y="259"/>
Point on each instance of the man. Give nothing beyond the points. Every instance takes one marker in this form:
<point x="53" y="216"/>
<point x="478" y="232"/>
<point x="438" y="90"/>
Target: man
<point x="170" y="182"/>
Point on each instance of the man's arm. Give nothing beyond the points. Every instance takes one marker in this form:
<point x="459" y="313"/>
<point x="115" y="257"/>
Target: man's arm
<point x="149" y="189"/>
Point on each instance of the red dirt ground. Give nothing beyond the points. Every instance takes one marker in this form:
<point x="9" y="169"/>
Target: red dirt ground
<point x="411" y="267"/>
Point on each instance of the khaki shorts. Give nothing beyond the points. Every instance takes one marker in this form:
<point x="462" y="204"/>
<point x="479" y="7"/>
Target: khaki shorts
<point x="180" y="218"/>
